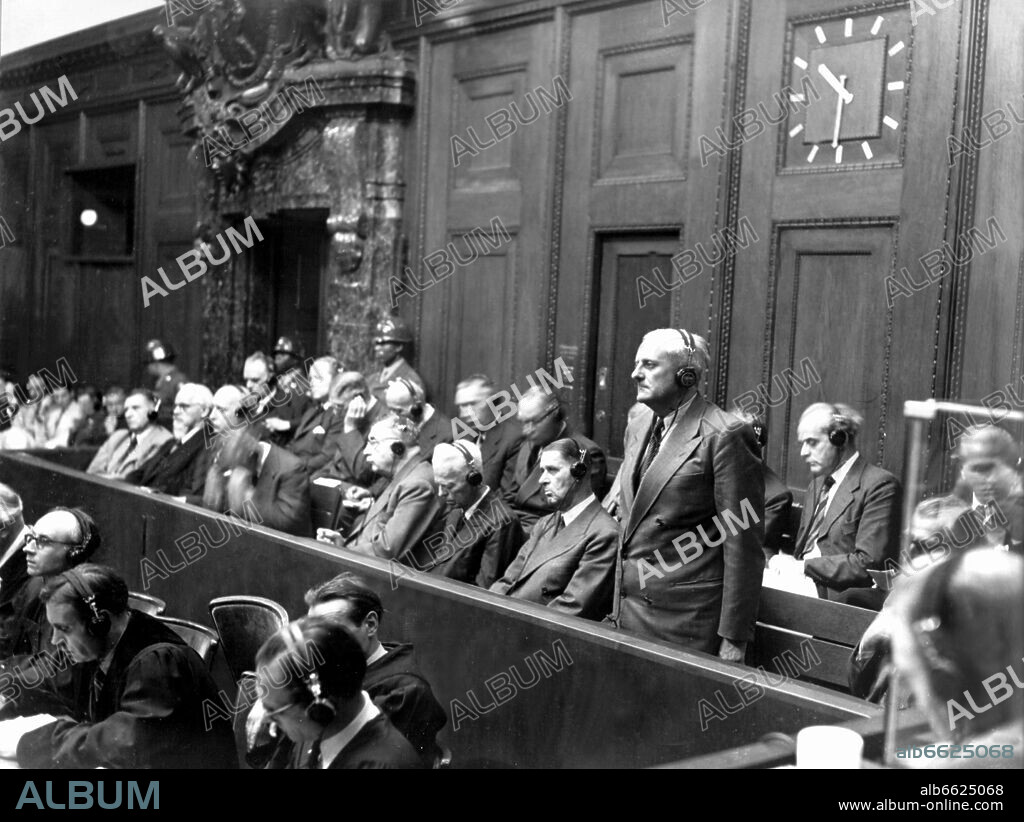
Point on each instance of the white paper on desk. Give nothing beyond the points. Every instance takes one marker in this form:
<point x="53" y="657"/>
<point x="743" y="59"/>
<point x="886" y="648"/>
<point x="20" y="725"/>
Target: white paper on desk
<point x="11" y="731"/>
<point x="787" y="574"/>
<point x="327" y="482"/>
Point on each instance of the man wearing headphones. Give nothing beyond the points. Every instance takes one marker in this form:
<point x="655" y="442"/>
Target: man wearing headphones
<point x="691" y="506"/>
<point x="138" y="688"/>
<point x="568" y="563"/>
<point x="396" y="523"/>
<point x="278" y="408"/>
<point x="405" y="397"/>
<point x="310" y="674"/>
<point x="543" y="417"/>
<point x="852" y="511"/>
<point x="480" y="534"/>
<point x="126" y="449"/>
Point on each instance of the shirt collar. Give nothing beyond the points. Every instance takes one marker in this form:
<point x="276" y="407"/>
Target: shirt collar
<point x="577" y="509"/>
<point x="473" y="508"/>
<point x="264" y="448"/>
<point x="334" y="745"/>
<point x="840" y="473"/>
<point x="378" y="654"/>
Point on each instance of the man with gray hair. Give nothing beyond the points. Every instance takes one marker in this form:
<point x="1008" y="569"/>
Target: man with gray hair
<point x="851" y="518"/>
<point x="691" y="485"/>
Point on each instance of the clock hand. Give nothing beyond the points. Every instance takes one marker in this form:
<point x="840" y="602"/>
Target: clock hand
<point x="839" y="112"/>
<point x="833" y="81"/>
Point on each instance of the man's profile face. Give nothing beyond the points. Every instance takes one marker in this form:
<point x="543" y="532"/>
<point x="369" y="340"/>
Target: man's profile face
<point x="187" y="413"/>
<point x="288" y="715"/>
<point x="320" y="377"/>
<point x="136" y="412"/>
<point x="556" y="483"/>
<point x="284" y="361"/>
<point x="378" y="451"/>
<point x="982" y="468"/>
<point x="46" y="548"/>
<point x="654" y="373"/>
<point x="821" y="456"/>
<point x="70" y="634"/>
<point x="539" y="419"/>
<point x="224" y="415"/>
<point x="471" y="400"/>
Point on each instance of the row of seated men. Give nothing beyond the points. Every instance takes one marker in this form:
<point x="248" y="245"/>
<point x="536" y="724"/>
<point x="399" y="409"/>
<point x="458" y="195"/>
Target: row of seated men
<point x="86" y="681"/>
<point x="677" y="551"/>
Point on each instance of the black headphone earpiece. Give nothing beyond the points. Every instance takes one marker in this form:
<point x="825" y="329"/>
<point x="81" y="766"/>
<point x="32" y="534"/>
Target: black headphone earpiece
<point x="98" y="622"/>
<point x="416" y="409"/>
<point x="578" y="470"/>
<point x="686" y="376"/>
<point x="838" y="435"/>
<point x="87" y="544"/>
<point x="473" y="477"/>
<point x="154" y="413"/>
<point x="398" y="448"/>
<point x="319" y="710"/>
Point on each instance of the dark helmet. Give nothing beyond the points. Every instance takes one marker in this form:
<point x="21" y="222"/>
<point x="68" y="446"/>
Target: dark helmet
<point x="286" y="345"/>
<point x="158" y="351"/>
<point x="393" y="330"/>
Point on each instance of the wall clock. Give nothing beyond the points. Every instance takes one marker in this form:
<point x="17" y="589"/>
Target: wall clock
<point x="847" y="84"/>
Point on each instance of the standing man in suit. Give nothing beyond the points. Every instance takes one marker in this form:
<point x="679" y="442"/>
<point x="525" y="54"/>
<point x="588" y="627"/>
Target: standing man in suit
<point x="568" y="563"/>
<point x="405" y="397"/>
<point x="480" y="535"/>
<point x="499" y="441"/>
<point x="126" y="449"/>
<point x="851" y="518"/>
<point x="543" y="418"/>
<point x="178" y="467"/>
<point x="316" y="435"/>
<point x="167" y="378"/>
<point x="407" y="510"/>
<point x="391" y="343"/>
<point x="778" y="499"/>
<point x="692" y="485"/>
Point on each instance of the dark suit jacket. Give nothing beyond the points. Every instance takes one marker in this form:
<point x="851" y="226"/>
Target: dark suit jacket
<point x="347" y="461"/>
<point x="13" y="573"/>
<point x="529" y="501"/>
<point x="437" y="429"/>
<point x="398" y="521"/>
<point x="281" y="494"/>
<point x="706" y="490"/>
<point x="378" y="385"/>
<point x="316" y="436"/>
<point x="149" y="713"/>
<point x="178" y="470"/>
<point x="571" y="571"/>
<point x="861" y="529"/>
<point x="166" y="389"/>
<point x="377" y="745"/>
<point x="477" y="550"/>
<point x="778" y="513"/>
<point x="500" y="450"/>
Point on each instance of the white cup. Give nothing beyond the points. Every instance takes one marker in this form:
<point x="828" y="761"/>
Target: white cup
<point x="828" y="747"/>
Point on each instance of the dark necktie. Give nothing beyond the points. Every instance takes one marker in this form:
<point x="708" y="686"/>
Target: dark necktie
<point x="313" y="762"/>
<point x="811" y="537"/>
<point x="559" y="525"/>
<point x="532" y="459"/>
<point x="133" y="441"/>
<point x="653" y="446"/>
<point x="99" y="679"/>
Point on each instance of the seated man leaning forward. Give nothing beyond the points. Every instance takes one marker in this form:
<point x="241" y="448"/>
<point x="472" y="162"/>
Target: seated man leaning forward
<point x="139" y="689"/>
<point x="127" y="448"/>
<point x="568" y="563"/>
<point x="310" y="674"/>
<point x="396" y="523"/>
<point x="178" y="467"/>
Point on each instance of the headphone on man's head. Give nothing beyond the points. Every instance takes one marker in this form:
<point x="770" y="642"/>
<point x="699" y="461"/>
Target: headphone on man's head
<point x="416" y="409"/>
<point x="473" y="477"/>
<point x="319" y="710"/>
<point x="839" y="430"/>
<point x="578" y="470"/>
<point x="686" y="377"/>
<point x="97" y="623"/>
<point x="89" y="540"/>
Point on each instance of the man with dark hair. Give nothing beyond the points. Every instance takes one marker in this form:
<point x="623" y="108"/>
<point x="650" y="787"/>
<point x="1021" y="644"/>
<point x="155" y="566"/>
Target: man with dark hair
<point x="138" y="688"/>
<point x="317" y="432"/>
<point x="851" y="519"/>
<point x="499" y="441"/>
<point x="990" y="483"/>
<point x="480" y="535"/>
<point x="568" y="563"/>
<point x="393" y="679"/>
<point x="311" y="677"/>
<point x="128" y="448"/>
<point x="278" y="408"/>
<point x="390" y="345"/>
<point x="543" y="418"/>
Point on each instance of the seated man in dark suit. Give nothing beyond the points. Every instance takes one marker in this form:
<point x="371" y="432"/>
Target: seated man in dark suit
<point x="128" y="448"/>
<point x="568" y="563"/>
<point x="317" y="433"/>
<point x="499" y="441"/>
<point x="178" y="467"/>
<point x="360" y="410"/>
<point x="311" y="674"/>
<point x="138" y="688"/>
<point x="778" y="499"/>
<point x="542" y="416"/>
<point x="852" y="511"/>
<point x="407" y="511"/>
<point x="481" y="535"/>
<point x="393" y="679"/>
<point x="990" y="483"/>
<point x="405" y="397"/>
<point x="255" y="480"/>
<point x="277" y="408"/>
<point x="13" y="573"/>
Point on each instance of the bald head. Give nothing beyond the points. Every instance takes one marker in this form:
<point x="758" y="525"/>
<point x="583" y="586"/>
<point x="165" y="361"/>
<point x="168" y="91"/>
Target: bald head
<point x="226" y="403"/>
<point x="452" y="465"/>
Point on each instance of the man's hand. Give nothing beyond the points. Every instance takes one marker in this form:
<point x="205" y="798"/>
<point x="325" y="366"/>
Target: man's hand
<point x="357" y="492"/>
<point x="355" y="414"/>
<point x="277" y="424"/>
<point x="328" y="535"/>
<point x="732" y="651"/>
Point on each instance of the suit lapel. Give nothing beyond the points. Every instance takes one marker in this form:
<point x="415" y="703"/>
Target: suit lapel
<point x="381" y="503"/>
<point x="307" y="421"/>
<point x="681" y="442"/>
<point x="634" y="443"/>
<point x="548" y="548"/>
<point x="844" y="495"/>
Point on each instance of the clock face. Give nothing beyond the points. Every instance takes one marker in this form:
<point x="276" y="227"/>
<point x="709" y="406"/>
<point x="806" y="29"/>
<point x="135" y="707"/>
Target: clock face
<point x="846" y="92"/>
